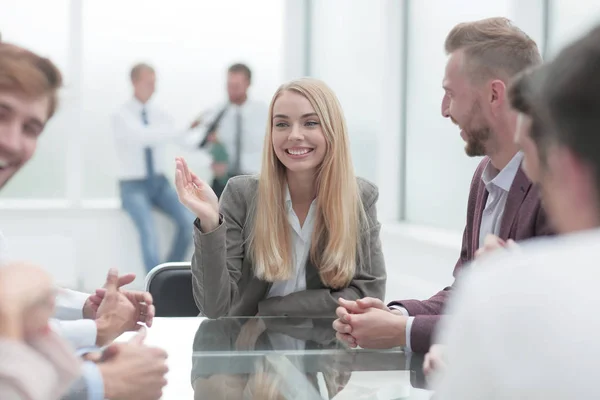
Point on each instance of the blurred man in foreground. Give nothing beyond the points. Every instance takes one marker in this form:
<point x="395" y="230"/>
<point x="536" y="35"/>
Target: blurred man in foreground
<point x="28" y="99"/>
<point x="35" y="364"/>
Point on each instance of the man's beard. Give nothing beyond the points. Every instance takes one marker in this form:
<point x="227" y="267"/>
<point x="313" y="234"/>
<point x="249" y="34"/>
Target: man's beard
<point x="477" y="138"/>
<point x="476" y="141"/>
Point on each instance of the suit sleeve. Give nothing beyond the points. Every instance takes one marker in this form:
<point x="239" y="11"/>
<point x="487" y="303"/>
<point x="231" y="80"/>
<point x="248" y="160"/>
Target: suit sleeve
<point x="218" y="257"/>
<point x="369" y="280"/>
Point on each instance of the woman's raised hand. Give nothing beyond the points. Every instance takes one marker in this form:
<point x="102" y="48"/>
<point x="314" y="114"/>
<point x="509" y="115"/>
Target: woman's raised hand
<point x="197" y="196"/>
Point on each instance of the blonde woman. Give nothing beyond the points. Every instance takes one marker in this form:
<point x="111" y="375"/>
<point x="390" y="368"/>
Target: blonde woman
<point x="299" y="236"/>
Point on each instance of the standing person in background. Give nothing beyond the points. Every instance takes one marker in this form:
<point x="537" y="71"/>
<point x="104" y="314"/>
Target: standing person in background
<point x="238" y="125"/>
<point x="141" y="130"/>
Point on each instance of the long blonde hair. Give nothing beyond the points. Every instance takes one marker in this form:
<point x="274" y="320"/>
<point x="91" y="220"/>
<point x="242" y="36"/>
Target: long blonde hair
<point x="335" y="246"/>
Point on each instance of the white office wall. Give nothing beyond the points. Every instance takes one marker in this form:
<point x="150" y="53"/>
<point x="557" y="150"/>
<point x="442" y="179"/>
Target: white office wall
<point x="45" y="31"/>
<point x="346" y="56"/>
<point x="355" y="48"/>
<point x="569" y="19"/>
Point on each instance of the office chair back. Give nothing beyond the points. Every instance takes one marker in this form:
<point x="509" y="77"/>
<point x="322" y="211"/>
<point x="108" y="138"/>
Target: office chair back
<point x="170" y="285"/>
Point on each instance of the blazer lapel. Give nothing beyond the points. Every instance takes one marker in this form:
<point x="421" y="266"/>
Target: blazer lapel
<point x="516" y="195"/>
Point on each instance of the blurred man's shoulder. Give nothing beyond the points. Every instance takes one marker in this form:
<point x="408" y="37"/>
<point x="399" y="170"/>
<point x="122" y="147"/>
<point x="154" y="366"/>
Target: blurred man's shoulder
<point x="548" y="261"/>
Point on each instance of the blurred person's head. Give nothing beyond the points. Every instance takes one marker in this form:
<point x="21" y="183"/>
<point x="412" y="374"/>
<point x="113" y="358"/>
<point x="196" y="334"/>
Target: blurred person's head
<point x="30" y="290"/>
<point x="143" y="79"/>
<point x="37" y="318"/>
<point x="529" y="134"/>
<point x="239" y="78"/>
<point x="307" y="144"/>
<point x="569" y="109"/>
<point x="482" y="57"/>
<point x="29" y="87"/>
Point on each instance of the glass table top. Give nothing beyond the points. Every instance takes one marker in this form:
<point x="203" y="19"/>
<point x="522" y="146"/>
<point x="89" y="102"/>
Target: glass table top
<point x="279" y="358"/>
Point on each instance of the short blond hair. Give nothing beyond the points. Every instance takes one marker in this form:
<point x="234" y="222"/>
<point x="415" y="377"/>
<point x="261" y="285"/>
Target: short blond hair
<point x="494" y="47"/>
<point x="138" y="68"/>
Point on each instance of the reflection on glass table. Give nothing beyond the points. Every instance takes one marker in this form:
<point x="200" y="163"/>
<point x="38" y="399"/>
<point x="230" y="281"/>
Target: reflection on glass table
<point x="296" y="358"/>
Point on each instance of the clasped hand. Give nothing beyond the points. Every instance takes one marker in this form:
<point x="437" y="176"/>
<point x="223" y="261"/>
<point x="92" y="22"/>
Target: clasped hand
<point x="369" y="323"/>
<point x="117" y="310"/>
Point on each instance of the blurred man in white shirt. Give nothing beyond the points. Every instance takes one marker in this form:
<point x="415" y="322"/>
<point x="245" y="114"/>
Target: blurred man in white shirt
<point x="239" y="126"/>
<point x="141" y="130"/>
<point x="523" y="323"/>
<point x="29" y="87"/>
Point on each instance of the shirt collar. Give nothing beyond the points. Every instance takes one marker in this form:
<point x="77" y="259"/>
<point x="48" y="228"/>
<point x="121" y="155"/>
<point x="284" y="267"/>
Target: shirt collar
<point x="288" y="199"/>
<point x="504" y="178"/>
<point x="137" y="105"/>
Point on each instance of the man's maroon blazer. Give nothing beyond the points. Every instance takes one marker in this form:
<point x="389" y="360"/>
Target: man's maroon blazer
<point x="523" y="218"/>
